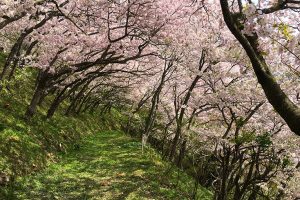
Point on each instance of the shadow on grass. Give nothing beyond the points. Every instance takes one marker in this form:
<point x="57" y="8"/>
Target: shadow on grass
<point x="106" y="166"/>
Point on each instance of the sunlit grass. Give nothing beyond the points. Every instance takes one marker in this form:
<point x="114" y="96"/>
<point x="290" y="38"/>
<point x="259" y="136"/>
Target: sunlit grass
<point x="44" y="158"/>
<point x="109" y="165"/>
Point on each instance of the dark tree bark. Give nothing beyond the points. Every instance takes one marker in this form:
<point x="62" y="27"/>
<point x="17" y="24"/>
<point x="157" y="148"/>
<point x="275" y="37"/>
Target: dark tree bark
<point x="87" y="100"/>
<point x="9" y="20"/>
<point x="15" y="50"/>
<point x="17" y="60"/>
<point x="77" y="99"/>
<point x="181" y="154"/>
<point x="41" y="85"/>
<point x="141" y="103"/>
<point x="62" y="96"/>
<point x="179" y="117"/>
<point x="289" y="111"/>
<point x="94" y="106"/>
<point x="82" y="103"/>
<point x="155" y="99"/>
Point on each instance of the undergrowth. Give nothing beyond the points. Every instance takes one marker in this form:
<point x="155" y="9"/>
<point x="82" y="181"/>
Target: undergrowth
<point x="38" y="152"/>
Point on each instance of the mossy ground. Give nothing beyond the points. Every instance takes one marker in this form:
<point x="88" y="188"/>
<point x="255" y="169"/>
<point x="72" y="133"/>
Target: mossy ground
<point x="27" y="145"/>
<point x="109" y="165"/>
<point x="43" y="157"/>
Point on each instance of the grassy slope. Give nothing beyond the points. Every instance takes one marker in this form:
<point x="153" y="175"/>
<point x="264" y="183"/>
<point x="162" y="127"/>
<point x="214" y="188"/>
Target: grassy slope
<point x="109" y="165"/>
<point x="27" y="147"/>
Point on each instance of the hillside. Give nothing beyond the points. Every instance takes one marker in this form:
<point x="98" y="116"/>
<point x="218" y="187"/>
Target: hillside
<point x="159" y="99"/>
<point x="78" y="157"/>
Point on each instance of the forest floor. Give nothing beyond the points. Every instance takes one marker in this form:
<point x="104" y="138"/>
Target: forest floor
<point x="92" y="163"/>
<point x="108" y="165"/>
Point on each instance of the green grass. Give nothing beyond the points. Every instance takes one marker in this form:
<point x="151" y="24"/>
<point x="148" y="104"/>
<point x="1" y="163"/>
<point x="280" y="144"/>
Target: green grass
<point x="42" y="155"/>
<point x="30" y="146"/>
<point x="108" y="165"/>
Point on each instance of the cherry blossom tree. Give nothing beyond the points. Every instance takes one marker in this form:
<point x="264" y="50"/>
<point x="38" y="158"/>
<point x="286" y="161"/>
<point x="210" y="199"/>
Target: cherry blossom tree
<point x="248" y="25"/>
<point x="179" y="70"/>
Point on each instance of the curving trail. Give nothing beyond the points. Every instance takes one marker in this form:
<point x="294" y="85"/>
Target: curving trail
<point x="108" y="165"/>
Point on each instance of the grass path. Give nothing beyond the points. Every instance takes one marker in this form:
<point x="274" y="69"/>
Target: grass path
<point x="108" y="165"/>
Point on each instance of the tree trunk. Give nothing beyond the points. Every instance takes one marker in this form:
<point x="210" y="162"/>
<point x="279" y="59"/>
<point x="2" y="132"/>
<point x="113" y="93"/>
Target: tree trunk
<point x="155" y="100"/>
<point x="275" y="95"/>
<point x="11" y="56"/>
<point x="54" y="107"/>
<point x="11" y="19"/>
<point x="174" y="143"/>
<point x="42" y="80"/>
<point x="179" y="119"/>
<point x="181" y="154"/>
<point x="17" y="46"/>
<point x="79" y="109"/>
<point x="61" y="95"/>
<point x="76" y="99"/>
